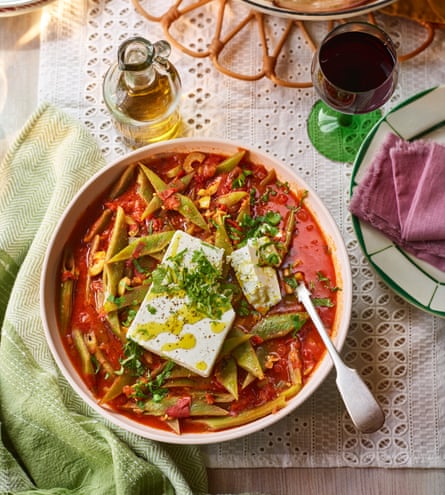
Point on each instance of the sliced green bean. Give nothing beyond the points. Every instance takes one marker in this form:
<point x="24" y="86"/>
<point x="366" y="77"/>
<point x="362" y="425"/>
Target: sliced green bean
<point x="94" y="248"/>
<point x="197" y="408"/>
<point x="145" y="189"/>
<point x="270" y="178"/>
<point x="119" y="237"/>
<point x="218" y="398"/>
<point x="144" y="246"/>
<point x="227" y="375"/>
<point x="279" y="325"/>
<point x="183" y="182"/>
<point x="203" y="408"/>
<point x="113" y="272"/>
<point x="174" y="424"/>
<point x="132" y="297"/>
<point x="113" y="320"/>
<point x="248" y="380"/>
<point x="250" y="415"/>
<point x="189" y="382"/>
<point x="67" y="289"/>
<point x="244" y="210"/>
<point x="181" y="372"/>
<point x="156" y="201"/>
<point x="82" y="349"/>
<point x="230" y="163"/>
<point x="289" y="233"/>
<point x="99" y="225"/>
<point x="235" y="338"/>
<point x="153" y="206"/>
<point x="247" y="359"/>
<point x="188" y="209"/>
<point x="158" y="184"/>
<point x="245" y="416"/>
<point x="222" y="239"/>
<point x="172" y="173"/>
<point x="124" y="181"/>
<point x="232" y="198"/>
<point x="94" y="349"/>
<point x="117" y="387"/>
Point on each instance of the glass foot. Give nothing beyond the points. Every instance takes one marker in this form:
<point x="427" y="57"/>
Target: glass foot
<point x="338" y="136"/>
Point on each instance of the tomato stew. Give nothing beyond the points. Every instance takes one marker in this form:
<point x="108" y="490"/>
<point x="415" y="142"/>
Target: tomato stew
<point x="115" y="253"/>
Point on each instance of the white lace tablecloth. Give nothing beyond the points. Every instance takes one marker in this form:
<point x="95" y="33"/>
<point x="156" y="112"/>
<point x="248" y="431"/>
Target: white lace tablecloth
<point x="397" y="348"/>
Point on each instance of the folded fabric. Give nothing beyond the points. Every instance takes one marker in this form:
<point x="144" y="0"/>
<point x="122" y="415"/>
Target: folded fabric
<point x="418" y="170"/>
<point x="51" y="442"/>
<point x="401" y="194"/>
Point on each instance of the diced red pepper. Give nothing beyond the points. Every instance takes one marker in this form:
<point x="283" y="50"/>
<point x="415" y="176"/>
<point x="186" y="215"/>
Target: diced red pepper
<point x="181" y="409"/>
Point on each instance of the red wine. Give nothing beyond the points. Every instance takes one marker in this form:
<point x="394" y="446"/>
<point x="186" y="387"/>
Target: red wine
<point x="357" y="71"/>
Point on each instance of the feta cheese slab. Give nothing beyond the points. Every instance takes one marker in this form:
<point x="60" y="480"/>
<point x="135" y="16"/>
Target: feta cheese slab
<point x="169" y="325"/>
<point x="258" y="283"/>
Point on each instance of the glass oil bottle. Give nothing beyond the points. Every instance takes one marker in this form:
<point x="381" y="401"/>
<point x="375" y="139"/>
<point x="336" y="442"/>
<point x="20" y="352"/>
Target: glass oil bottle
<point x="142" y="92"/>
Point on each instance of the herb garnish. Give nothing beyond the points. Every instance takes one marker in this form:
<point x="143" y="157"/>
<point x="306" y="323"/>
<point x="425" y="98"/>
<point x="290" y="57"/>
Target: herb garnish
<point x="148" y="387"/>
<point x="324" y="302"/>
<point x="132" y="361"/>
<point x="243" y="308"/>
<point x="240" y="181"/>
<point x="131" y="315"/>
<point x="327" y="282"/>
<point x="202" y="282"/>
<point x="261" y="225"/>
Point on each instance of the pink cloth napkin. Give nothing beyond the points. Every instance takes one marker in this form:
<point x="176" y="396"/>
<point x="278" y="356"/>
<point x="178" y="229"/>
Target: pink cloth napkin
<point x="403" y="195"/>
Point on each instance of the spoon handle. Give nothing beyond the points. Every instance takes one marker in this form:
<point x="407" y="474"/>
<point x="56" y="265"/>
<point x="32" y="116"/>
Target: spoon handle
<point x="364" y="410"/>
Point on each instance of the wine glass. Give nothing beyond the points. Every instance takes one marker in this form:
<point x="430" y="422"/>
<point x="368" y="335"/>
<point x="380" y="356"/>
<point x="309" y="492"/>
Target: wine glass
<point x="354" y="71"/>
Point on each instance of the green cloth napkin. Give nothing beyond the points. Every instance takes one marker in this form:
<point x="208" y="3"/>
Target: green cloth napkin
<point x="51" y="442"/>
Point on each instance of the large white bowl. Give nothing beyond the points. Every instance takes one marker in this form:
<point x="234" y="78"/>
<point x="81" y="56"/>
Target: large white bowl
<point x="103" y="180"/>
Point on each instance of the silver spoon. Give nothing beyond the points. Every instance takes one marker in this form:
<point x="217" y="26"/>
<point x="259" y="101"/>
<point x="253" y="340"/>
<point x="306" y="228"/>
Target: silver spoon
<point x="364" y="410"/>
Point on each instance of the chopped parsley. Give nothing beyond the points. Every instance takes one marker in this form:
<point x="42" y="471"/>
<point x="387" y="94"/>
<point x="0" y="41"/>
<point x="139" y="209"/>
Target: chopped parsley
<point x="284" y="186"/>
<point x="261" y="225"/>
<point x="155" y="385"/>
<point x="240" y="181"/>
<point x="151" y="309"/>
<point x="266" y="195"/>
<point x="243" y="308"/>
<point x="324" y="302"/>
<point x="201" y="281"/>
<point x="291" y="282"/>
<point x="131" y="314"/>
<point x="151" y="387"/>
<point x="117" y="300"/>
<point x="132" y="361"/>
<point x="326" y="282"/>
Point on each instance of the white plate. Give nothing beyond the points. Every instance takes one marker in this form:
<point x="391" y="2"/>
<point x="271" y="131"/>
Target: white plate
<point x="267" y="7"/>
<point x="15" y="7"/>
<point x="421" y="116"/>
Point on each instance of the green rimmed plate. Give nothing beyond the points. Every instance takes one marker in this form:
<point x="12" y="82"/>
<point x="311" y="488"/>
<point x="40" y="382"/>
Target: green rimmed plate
<point x="421" y="116"/>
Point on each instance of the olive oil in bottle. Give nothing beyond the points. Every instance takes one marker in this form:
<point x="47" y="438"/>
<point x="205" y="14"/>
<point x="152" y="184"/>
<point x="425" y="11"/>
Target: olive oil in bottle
<point x="142" y="92"/>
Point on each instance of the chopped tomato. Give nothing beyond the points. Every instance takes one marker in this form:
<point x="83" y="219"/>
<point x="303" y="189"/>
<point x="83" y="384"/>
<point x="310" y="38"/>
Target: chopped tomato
<point x="181" y="409"/>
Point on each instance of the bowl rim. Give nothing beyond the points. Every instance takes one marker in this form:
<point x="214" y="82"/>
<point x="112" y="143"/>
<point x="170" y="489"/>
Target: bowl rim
<point x="107" y="175"/>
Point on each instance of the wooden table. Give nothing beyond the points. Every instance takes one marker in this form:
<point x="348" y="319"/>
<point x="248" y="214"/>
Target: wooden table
<point x="19" y="64"/>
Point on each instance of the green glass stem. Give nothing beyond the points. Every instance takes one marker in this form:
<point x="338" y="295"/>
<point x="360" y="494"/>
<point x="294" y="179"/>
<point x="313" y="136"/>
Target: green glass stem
<point x="344" y="119"/>
<point x="339" y="136"/>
